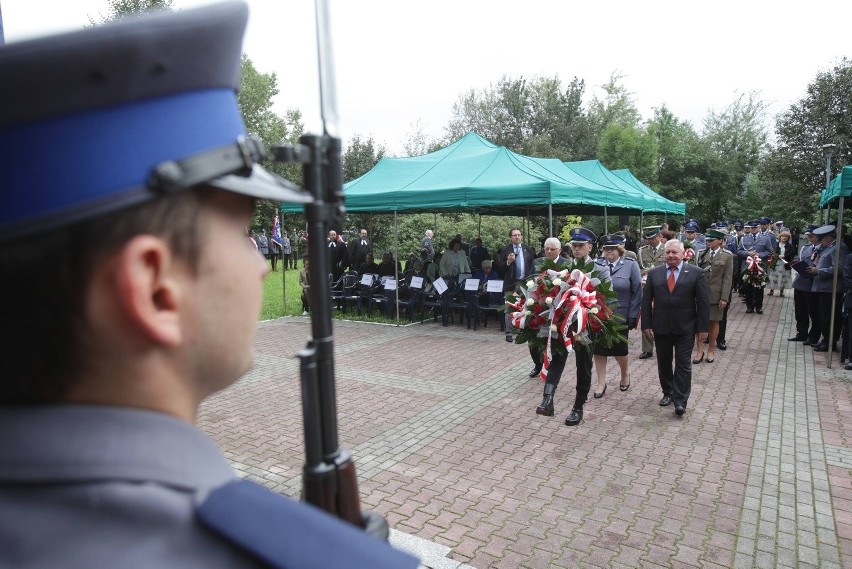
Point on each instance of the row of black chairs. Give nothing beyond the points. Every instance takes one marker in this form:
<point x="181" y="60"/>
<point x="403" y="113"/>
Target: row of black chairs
<point x="351" y="291"/>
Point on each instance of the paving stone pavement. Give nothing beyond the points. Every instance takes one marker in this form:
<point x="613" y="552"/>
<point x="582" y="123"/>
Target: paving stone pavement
<point x="441" y="423"/>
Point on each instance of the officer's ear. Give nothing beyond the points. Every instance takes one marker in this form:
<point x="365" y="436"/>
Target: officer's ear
<point x="151" y="286"/>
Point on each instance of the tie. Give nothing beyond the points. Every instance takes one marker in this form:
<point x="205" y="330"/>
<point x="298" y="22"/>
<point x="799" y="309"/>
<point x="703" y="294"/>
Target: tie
<point x="611" y="267"/>
<point x="671" y="280"/>
<point x="519" y="263"/>
<point x="363" y="242"/>
<point x="331" y="244"/>
<point x="712" y="254"/>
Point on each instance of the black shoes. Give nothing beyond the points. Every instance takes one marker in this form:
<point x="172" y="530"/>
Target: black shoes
<point x="546" y="407"/>
<point x="759" y="310"/>
<point x="645" y="355"/>
<point x="722" y="345"/>
<point x="509" y="338"/>
<point x="820" y="348"/>
<point x="808" y="343"/>
<point x="665" y="401"/>
<point x="601" y="394"/>
<point x="535" y="371"/>
<point x="749" y="310"/>
<point x="680" y="410"/>
<point x="698" y="360"/>
<point x="797" y="339"/>
<point x="574" y="418"/>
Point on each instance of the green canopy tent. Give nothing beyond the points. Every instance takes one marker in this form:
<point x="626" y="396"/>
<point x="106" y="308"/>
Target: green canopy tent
<point x="668" y="205"/>
<point x="840" y="187"/>
<point x="475" y="175"/>
<point x="652" y="202"/>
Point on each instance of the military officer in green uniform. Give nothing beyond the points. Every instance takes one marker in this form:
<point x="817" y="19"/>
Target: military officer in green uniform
<point x="718" y="264"/>
<point x="651" y="255"/>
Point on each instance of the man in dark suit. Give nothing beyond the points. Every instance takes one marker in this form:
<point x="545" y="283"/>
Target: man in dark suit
<point x="337" y="255"/>
<point x="358" y="249"/>
<point x="514" y="264"/>
<point x="675" y="307"/>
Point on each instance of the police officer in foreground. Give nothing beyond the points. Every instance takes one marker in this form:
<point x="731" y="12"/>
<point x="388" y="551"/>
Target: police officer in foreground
<point x="122" y="149"/>
<point x="805" y="301"/>
<point x="823" y="285"/>
<point x="582" y="245"/>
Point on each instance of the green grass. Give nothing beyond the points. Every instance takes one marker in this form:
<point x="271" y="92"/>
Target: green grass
<point x="275" y="305"/>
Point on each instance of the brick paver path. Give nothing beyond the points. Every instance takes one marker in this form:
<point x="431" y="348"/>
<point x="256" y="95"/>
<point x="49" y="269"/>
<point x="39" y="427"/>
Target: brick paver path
<point x="441" y="422"/>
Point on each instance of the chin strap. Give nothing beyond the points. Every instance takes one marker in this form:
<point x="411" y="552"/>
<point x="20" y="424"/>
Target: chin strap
<point x="174" y="175"/>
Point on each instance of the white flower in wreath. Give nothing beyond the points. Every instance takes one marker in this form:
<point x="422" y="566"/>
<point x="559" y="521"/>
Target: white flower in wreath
<point x="557" y="282"/>
<point x="530" y="302"/>
<point x="549" y="300"/>
<point x="594" y="310"/>
<point x="530" y="283"/>
<point x="564" y="273"/>
<point x="553" y="328"/>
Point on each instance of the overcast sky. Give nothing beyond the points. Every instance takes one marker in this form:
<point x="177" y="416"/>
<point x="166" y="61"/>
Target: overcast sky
<point x="403" y="61"/>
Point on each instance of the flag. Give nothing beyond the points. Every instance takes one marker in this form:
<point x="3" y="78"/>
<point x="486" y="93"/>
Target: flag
<point x="276" y="232"/>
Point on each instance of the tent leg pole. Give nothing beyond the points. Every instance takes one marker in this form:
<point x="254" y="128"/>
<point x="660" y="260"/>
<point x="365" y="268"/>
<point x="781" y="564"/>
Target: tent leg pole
<point x="834" y="278"/>
<point x="479" y="227"/>
<point x="396" y="264"/>
<point x="550" y="216"/>
<point x="606" y="222"/>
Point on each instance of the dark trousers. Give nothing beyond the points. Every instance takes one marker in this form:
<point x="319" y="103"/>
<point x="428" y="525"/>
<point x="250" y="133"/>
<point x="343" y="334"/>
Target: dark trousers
<point x="800" y="309"/>
<point x="677" y="382"/>
<point x="536" y="357"/>
<point x="812" y="299"/>
<point x="825" y="316"/>
<point x="753" y="296"/>
<point x="583" y="357"/>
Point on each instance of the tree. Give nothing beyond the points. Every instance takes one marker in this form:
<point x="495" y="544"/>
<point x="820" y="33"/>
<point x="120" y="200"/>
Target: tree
<point x="535" y="117"/>
<point x="360" y="156"/>
<point x="255" y="99"/>
<point x="118" y="9"/>
<point x="626" y="146"/>
<point x="821" y="117"/>
<point x="733" y="142"/>
<point x="616" y="108"/>
<point x="417" y="143"/>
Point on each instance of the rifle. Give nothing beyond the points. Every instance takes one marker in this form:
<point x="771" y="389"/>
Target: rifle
<point x="328" y="476"/>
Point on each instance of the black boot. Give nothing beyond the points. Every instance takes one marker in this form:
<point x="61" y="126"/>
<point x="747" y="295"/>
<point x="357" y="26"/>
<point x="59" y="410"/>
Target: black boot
<point x="546" y="407"/>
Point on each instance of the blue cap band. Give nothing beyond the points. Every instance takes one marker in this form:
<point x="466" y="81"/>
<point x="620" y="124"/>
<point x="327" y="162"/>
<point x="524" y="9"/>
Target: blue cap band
<point x="84" y="157"/>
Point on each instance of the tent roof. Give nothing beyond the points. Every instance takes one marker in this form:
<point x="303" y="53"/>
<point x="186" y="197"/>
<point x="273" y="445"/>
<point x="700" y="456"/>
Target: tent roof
<point x="626" y="175"/>
<point x="840" y="186"/>
<point x="652" y="202"/>
<point x="475" y="175"/>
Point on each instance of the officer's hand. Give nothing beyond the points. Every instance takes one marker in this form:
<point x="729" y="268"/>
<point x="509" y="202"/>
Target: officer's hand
<point x="631" y="323"/>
